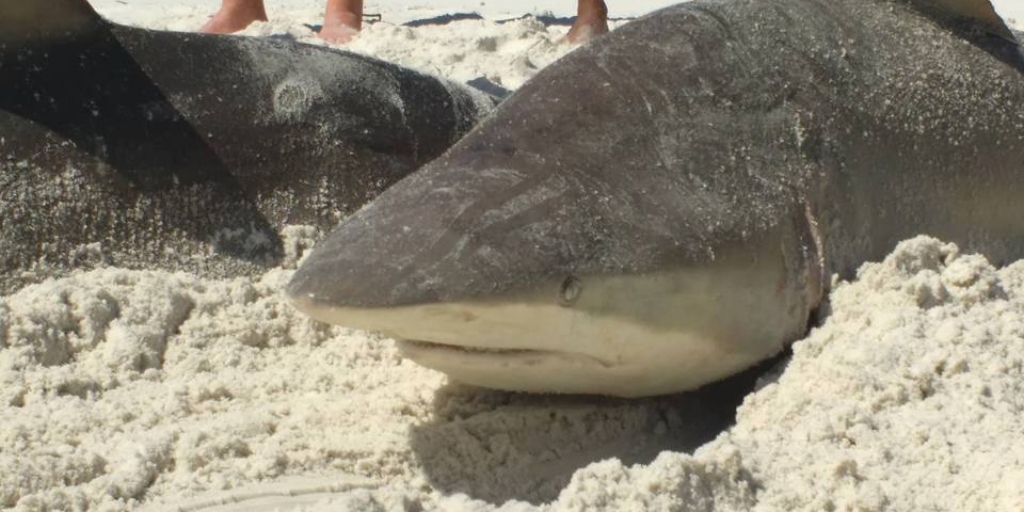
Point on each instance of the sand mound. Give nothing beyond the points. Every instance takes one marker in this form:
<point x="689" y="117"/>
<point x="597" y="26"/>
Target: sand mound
<point x="125" y="388"/>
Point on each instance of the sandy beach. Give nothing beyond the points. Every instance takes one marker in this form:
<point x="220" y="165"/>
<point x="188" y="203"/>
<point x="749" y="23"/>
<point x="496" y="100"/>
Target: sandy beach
<point x="158" y="391"/>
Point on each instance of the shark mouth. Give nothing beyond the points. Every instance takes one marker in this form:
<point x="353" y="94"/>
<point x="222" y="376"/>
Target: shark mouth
<point x="524" y="370"/>
<point x="424" y="352"/>
<point x="463" y="348"/>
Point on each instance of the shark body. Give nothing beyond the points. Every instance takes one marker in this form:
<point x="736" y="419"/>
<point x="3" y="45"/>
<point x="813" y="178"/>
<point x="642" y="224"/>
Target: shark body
<point x="667" y="205"/>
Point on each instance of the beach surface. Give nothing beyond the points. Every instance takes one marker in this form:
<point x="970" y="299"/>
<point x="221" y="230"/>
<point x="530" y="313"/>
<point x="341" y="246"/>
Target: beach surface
<point x="148" y="390"/>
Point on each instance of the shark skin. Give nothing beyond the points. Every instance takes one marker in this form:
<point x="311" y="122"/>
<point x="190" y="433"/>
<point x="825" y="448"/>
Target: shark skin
<point x="666" y="206"/>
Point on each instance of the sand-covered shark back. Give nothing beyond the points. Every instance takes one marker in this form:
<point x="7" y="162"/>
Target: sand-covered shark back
<point x="142" y="148"/>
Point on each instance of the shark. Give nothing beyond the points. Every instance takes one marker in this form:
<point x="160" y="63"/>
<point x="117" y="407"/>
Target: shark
<point x="669" y="204"/>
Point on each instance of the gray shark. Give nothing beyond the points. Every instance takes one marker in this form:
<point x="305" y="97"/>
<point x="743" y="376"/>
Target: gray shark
<point x="667" y="205"/>
<point x="151" y="149"/>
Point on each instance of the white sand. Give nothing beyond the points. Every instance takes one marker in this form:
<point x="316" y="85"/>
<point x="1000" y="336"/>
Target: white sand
<point x="124" y="390"/>
<point x="506" y="53"/>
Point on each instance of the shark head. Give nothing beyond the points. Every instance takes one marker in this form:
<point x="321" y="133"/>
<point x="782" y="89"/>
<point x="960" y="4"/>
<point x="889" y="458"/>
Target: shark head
<point x="620" y="334"/>
<point x="568" y="245"/>
<point x="503" y="275"/>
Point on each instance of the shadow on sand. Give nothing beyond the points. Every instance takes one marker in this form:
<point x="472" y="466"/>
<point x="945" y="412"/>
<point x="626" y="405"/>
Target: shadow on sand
<point x="498" y="446"/>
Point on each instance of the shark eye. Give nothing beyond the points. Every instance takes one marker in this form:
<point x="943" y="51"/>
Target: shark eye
<point x="570" y="291"/>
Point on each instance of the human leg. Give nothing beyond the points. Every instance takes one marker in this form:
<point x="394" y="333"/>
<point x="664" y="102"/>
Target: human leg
<point x="591" y="21"/>
<point x="342" y="20"/>
<point x="235" y="15"/>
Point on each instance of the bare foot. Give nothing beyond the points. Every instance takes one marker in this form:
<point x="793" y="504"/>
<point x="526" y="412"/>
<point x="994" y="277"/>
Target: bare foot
<point x="342" y="21"/>
<point x="591" y="21"/>
<point x="338" y="32"/>
<point x="235" y="15"/>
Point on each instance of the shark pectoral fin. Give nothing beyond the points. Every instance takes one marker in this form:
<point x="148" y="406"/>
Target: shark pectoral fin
<point x="65" y="76"/>
<point x="22" y="21"/>
<point x="64" y="68"/>
<point x="980" y="12"/>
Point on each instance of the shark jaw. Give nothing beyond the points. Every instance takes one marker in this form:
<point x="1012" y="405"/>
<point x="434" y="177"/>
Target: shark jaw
<point x="483" y="344"/>
<point x="624" y="335"/>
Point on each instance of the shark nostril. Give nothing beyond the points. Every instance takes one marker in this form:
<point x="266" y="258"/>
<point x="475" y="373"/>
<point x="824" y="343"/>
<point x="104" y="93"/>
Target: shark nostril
<point x="570" y="291"/>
